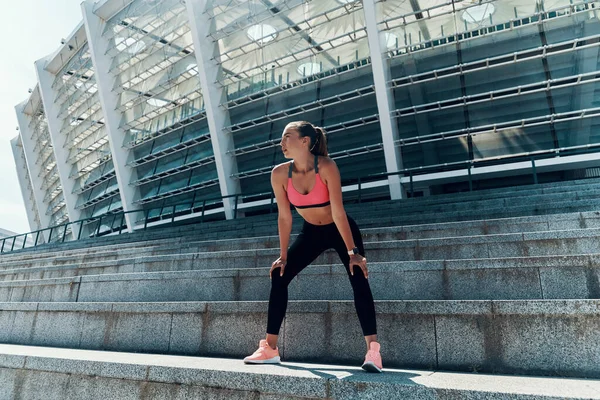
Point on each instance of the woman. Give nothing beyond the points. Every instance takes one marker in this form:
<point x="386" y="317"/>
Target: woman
<point x="311" y="183"/>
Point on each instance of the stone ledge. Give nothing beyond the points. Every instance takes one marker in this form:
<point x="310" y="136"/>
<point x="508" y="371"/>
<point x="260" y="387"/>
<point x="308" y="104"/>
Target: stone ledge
<point x="288" y="380"/>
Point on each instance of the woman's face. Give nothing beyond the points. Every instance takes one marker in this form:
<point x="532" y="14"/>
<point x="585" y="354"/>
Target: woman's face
<point x="292" y="144"/>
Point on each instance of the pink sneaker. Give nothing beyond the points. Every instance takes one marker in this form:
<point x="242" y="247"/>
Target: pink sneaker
<point x="373" y="359"/>
<point x="264" y="355"/>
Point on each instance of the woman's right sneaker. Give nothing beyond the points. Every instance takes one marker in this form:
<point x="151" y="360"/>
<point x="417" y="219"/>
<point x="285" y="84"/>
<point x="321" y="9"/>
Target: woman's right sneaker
<point x="373" y="359"/>
<point x="264" y="355"/>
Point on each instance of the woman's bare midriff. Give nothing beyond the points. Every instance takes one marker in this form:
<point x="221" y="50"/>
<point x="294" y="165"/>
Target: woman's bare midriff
<point x="316" y="216"/>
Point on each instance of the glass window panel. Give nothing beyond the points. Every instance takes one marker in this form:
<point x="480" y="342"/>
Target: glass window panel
<point x="505" y="77"/>
<point x="512" y="141"/>
<point x="171" y="161"/>
<point x="201" y="175"/>
<point x="174" y="182"/>
<point x="509" y="109"/>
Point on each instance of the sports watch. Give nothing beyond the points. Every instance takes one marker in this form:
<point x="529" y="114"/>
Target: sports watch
<point x="353" y="251"/>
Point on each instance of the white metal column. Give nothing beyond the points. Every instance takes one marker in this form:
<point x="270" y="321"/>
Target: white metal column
<point x="383" y="93"/>
<point x="214" y="95"/>
<point x="99" y="46"/>
<point x="25" y="184"/>
<point x="33" y="167"/>
<point x="61" y="154"/>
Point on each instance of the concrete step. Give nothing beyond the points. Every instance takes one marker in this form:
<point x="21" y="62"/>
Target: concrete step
<point x="115" y="252"/>
<point x="558" y="277"/>
<point x="474" y="204"/>
<point x="199" y="257"/>
<point x="163" y="232"/>
<point x="508" y="192"/>
<point x="66" y="374"/>
<point x="539" y="337"/>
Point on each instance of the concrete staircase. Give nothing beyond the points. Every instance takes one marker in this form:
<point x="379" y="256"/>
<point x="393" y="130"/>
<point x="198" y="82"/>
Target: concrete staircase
<point x="503" y="281"/>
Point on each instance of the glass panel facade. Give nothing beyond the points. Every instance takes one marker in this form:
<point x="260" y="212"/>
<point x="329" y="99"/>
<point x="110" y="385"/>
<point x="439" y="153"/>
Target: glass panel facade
<point x="76" y="94"/>
<point x="470" y="83"/>
<point x="296" y="60"/>
<point x="160" y="99"/>
<point x="460" y="70"/>
<point x="53" y="203"/>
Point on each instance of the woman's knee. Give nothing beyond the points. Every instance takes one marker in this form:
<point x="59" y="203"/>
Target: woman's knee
<point x="278" y="282"/>
<point x="359" y="283"/>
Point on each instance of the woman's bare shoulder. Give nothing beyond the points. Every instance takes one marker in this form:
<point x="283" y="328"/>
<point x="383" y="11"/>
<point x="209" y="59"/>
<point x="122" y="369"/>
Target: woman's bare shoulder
<point x="280" y="170"/>
<point x="327" y="164"/>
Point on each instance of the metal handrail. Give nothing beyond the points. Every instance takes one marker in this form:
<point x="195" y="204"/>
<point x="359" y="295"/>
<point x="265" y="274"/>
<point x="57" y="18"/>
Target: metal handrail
<point x="62" y="230"/>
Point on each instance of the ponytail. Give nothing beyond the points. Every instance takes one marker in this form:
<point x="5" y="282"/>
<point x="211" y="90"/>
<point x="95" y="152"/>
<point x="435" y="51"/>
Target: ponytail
<point x="318" y="141"/>
<point x="319" y="148"/>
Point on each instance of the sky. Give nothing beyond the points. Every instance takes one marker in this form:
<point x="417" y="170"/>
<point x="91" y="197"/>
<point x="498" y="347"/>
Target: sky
<point x="31" y="29"/>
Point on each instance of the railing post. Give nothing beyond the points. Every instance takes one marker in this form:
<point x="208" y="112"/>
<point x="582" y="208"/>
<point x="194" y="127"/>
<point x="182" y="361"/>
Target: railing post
<point x="24" y="241"/>
<point x="470" y="179"/>
<point x="2" y="249"/>
<point x="411" y="185"/>
<point x="50" y="235"/>
<point x="80" y="229"/>
<point x="146" y="218"/>
<point x="121" y="223"/>
<point x="99" y="226"/>
<point x="173" y="217"/>
<point x="65" y="232"/>
<point x="535" y="178"/>
<point x="236" y="206"/>
<point x="13" y="243"/>
<point x="37" y="236"/>
<point x="272" y="201"/>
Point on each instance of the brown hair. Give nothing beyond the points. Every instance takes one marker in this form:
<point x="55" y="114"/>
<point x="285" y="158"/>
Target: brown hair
<point x="318" y="142"/>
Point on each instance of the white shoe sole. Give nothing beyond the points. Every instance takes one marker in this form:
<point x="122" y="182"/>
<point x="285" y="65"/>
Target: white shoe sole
<point x="274" y="360"/>
<point x="371" y="367"/>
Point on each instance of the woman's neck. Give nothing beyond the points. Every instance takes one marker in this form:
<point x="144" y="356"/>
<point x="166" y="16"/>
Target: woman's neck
<point x="304" y="163"/>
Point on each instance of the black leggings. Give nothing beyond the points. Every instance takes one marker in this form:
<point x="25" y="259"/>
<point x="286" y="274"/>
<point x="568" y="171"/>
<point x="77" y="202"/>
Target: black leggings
<point x="310" y="243"/>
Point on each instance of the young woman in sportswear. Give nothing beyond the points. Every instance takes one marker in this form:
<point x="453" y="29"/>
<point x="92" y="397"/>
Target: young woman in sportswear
<point x="311" y="183"/>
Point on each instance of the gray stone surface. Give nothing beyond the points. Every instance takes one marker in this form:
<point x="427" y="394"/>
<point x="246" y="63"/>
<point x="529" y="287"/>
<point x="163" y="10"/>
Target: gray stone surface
<point x="12" y="361"/>
<point x="550" y="346"/>
<point x="58" y="329"/>
<point x="569" y="283"/>
<point x="46" y="385"/>
<point x="501" y="278"/>
<point x="86" y="387"/>
<point x="186" y="333"/>
<point x="74" y="374"/>
<point x="9" y="379"/>
<point x="493" y="283"/>
<point x="149" y="332"/>
<point x="177" y="290"/>
<point x="464" y="343"/>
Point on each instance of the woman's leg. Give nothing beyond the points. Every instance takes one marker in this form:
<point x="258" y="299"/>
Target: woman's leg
<point x="363" y="298"/>
<point x="305" y="249"/>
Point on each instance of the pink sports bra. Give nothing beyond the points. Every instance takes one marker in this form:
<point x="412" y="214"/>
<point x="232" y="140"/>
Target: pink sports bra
<point x="317" y="197"/>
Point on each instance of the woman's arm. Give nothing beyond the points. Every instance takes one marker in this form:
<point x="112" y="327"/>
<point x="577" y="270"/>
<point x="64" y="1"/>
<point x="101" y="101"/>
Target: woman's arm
<point x="284" y="219"/>
<point x="331" y="175"/>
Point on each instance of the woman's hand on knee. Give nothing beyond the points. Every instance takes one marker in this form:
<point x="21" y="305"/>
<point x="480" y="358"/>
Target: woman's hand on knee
<point x="361" y="262"/>
<point x="279" y="263"/>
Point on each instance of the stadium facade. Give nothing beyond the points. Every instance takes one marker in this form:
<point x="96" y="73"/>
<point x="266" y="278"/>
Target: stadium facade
<point x="168" y="109"/>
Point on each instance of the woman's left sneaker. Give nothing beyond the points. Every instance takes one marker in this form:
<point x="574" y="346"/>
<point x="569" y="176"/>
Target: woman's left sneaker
<point x="264" y="355"/>
<point x="373" y="359"/>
